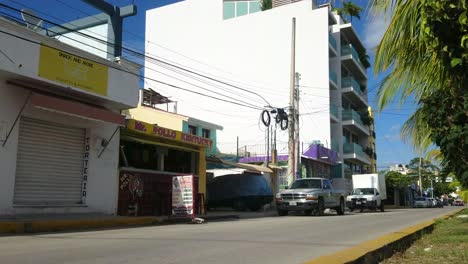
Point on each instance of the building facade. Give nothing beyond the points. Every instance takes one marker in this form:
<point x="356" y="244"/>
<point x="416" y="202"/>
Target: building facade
<point x="59" y="121"/>
<point x="255" y="47"/>
<point x="154" y="108"/>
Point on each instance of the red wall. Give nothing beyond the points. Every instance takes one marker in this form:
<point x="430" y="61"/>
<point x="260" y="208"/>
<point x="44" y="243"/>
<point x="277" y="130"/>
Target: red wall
<point x="151" y="192"/>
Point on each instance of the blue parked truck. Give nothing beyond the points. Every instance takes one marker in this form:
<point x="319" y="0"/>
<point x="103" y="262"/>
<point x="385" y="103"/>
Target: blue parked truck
<point x="239" y="191"/>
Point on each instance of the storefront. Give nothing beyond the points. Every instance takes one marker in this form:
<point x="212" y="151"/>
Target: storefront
<point x="59" y="122"/>
<point x="150" y="156"/>
<point x="317" y="161"/>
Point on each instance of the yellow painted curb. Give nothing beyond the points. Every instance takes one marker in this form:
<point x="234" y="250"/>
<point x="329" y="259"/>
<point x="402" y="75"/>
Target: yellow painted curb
<point x="79" y="224"/>
<point x="354" y="253"/>
<point x="10" y="228"/>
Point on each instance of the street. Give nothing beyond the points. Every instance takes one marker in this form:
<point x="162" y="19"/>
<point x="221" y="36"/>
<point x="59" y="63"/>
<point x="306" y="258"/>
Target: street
<point x="290" y="239"/>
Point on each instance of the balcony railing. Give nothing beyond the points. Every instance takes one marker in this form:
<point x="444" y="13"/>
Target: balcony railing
<point x="332" y="40"/>
<point x="352" y="115"/>
<point x="351" y="82"/>
<point x="335" y="145"/>
<point x="349" y="148"/>
<point x="334" y="110"/>
<point x="333" y="77"/>
<point x="350" y="50"/>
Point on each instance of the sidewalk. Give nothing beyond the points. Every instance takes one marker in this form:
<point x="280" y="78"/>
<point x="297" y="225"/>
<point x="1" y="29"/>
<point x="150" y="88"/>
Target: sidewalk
<point x="71" y="222"/>
<point x="76" y="222"/>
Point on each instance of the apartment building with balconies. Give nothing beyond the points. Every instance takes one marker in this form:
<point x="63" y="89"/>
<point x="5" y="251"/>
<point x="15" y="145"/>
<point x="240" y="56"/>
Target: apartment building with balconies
<point x="253" y="49"/>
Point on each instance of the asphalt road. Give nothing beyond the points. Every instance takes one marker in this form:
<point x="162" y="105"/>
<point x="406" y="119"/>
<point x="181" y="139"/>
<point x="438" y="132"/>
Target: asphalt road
<point x="290" y="239"/>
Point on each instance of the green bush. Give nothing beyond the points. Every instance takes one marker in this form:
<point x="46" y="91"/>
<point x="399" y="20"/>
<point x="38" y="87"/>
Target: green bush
<point x="464" y="196"/>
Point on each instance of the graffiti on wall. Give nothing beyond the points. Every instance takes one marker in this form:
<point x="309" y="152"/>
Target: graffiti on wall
<point x="134" y="184"/>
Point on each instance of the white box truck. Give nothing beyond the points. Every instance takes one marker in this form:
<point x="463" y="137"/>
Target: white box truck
<point x="369" y="192"/>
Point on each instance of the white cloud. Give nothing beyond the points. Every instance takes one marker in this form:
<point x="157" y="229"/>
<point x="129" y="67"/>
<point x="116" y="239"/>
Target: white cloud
<point x="375" y="29"/>
<point x="395" y="127"/>
<point x="392" y="138"/>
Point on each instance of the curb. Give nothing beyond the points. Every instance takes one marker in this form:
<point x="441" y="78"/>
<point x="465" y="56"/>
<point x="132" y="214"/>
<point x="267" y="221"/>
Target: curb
<point x="41" y="226"/>
<point x="70" y="225"/>
<point x="383" y="247"/>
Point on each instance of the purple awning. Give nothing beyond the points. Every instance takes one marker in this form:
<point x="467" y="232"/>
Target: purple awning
<point x="315" y="152"/>
<point x="321" y="153"/>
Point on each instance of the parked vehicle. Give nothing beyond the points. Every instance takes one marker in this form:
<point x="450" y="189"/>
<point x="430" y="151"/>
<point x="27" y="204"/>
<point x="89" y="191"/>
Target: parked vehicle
<point x="239" y="191"/>
<point x="311" y="195"/>
<point x="432" y="202"/>
<point x="439" y="203"/>
<point x="459" y="202"/>
<point x="422" y="202"/>
<point x="369" y="192"/>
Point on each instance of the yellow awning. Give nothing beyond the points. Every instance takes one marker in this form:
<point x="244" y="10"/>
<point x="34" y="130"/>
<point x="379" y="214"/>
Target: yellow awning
<point x="157" y="143"/>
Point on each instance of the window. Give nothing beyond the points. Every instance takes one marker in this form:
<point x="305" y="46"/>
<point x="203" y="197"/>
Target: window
<point x="206" y="133"/>
<point x="229" y="10"/>
<point x="242" y="8"/>
<point x="192" y="130"/>
<point x="233" y="9"/>
<point x="326" y="184"/>
<point x="254" y="6"/>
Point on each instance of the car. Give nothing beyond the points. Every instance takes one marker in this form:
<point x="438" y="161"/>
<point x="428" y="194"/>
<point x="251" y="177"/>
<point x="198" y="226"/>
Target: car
<point x="422" y="202"/>
<point x="432" y="202"/>
<point x="459" y="202"/>
<point x="439" y="203"/>
<point x="239" y="191"/>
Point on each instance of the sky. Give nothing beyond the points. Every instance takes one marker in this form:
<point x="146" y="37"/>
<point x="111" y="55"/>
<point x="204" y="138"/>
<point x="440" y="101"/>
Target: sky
<point x="390" y="148"/>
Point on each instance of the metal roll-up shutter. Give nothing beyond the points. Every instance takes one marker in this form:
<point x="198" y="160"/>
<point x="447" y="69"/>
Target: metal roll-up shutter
<point x="49" y="166"/>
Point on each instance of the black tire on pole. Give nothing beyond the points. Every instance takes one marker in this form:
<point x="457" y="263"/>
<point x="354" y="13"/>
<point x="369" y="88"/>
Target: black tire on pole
<point x="266" y="114"/>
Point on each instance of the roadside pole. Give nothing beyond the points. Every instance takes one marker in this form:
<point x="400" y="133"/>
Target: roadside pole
<point x="291" y="115"/>
<point x="298" y="171"/>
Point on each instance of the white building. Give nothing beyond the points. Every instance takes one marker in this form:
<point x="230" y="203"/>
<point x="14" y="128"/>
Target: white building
<point x="238" y="43"/>
<point x="59" y="120"/>
<point x="403" y="169"/>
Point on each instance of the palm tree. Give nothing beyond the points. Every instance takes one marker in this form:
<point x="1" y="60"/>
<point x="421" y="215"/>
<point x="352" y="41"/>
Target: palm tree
<point x="424" y="53"/>
<point x="349" y="10"/>
<point x="416" y="131"/>
<point x="352" y="10"/>
<point x="265" y="5"/>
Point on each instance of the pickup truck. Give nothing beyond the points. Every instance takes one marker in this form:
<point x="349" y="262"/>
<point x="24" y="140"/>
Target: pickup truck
<point x="311" y="195"/>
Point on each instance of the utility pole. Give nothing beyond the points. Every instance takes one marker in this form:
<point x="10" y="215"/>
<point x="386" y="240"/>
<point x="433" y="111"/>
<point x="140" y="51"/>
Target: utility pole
<point x="419" y="173"/>
<point x="298" y="171"/>
<point x="267" y="146"/>
<point x="291" y="114"/>
<point x="274" y="161"/>
<point x="237" y="152"/>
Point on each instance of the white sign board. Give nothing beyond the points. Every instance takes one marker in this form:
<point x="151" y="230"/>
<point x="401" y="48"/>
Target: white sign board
<point x="182" y="196"/>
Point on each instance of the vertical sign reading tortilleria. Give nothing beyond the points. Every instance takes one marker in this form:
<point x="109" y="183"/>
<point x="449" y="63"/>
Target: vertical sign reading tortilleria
<point x="182" y="196"/>
<point x="84" y="183"/>
<point x="72" y="70"/>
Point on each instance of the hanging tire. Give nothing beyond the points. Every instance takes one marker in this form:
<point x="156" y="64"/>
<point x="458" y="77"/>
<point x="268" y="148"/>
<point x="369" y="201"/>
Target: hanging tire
<point x="341" y="209"/>
<point x="266" y="118"/>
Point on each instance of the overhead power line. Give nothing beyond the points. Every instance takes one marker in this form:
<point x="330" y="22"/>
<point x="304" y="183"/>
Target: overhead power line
<point x="140" y="55"/>
<point x="135" y="74"/>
